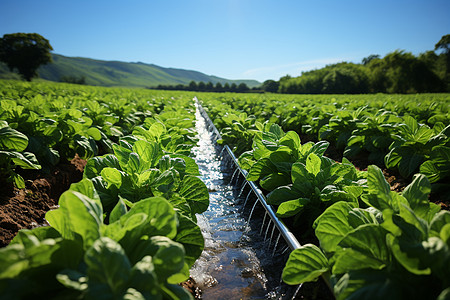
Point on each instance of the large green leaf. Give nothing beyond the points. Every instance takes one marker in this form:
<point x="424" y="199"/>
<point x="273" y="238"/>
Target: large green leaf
<point x="168" y="258"/>
<point x="196" y="193"/>
<point x="112" y="176"/>
<point x="144" y="279"/>
<point x="292" y="207"/>
<point x="282" y="194"/>
<point x="108" y="269"/>
<point x="162" y="219"/>
<point x="78" y="216"/>
<point x="365" y="247"/>
<point x="12" y="140"/>
<point x="291" y="140"/>
<point x="380" y="195"/>
<point x="25" y="160"/>
<point x="439" y="220"/>
<point x="274" y="180"/>
<point x="313" y="163"/>
<point x="261" y="168"/>
<point x="190" y="235"/>
<point x="304" y="265"/>
<point x="333" y="225"/>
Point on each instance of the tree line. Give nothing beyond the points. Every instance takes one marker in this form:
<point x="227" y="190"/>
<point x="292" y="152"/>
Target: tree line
<point x="397" y="72"/>
<point x="207" y="87"/>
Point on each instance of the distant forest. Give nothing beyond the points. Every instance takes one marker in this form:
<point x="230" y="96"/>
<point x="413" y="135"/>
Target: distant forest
<point x="397" y="72"/>
<point x="207" y="87"/>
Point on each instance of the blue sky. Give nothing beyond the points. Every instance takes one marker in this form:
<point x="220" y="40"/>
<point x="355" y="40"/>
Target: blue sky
<point x="235" y="39"/>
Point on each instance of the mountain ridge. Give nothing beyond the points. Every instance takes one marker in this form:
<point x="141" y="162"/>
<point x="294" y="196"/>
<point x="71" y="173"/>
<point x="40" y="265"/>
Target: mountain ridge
<point x="119" y="73"/>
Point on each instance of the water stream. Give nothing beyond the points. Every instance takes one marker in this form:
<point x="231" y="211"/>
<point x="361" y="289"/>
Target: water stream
<point x="235" y="261"/>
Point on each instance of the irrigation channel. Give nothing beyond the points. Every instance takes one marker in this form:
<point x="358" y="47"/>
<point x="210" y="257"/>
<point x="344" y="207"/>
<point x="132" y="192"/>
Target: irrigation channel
<point x="244" y="251"/>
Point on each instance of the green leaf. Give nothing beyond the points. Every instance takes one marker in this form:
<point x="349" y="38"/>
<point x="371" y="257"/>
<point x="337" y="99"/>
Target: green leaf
<point x="444" y="295"/>
<point x="94" y="133"/>
<point x="196" y="193"/>
<point x="73" y="280"/>
<point x="19" y="182"/>
<point x="333" y="225"/>
<point x="119" y="210"/>
<point x="300" y="174"/>
<point x="260" y="169"/>
<point x="272" y="181"/>
<point x="190" y="235"/>
<point x="282" y="194"/>
<point x="291" y="140"/>
<point x="168" y="257"/>
<point x="305" y="264"/>
<point x="107" y="267"/>
<point x="162" y="219"/>
<point x="313" y="163"/>
<point x="380" y="195"/>
<point x="25" y="160"/>
<point x="96" y="164"/>
<point x="438" y="222"/>
<point x="282" y="158"/>
<point x="77" y="217"/>
<point x="144" y="279"/>
<point x="112" y="176"/>
<point x="85" y="187"/>
<point x="191" y="165"/>
<point x="41" y="233"/>
<point x="292" y="207"/>
<point x="148" y="152"/>
<point x="12" y="140"/>
<point x="365" y="247"/>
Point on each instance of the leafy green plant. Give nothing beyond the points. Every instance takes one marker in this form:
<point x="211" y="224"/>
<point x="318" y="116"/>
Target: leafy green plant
<point x="340" y="127"/>
<point x="413" y="145"/>
<point x="372" y="135"/>
<point x="397" y="248"/>
<point x="140" y="169"/>
<point x="134" y="256"/>
<point x="12" y="155"/>
<point x="316" y="184"/>
<point x="239" y="132"/>
<point x="273" y="154"/>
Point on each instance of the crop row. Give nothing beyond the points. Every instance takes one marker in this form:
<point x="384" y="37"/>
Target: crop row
<point x="367" y="241"/>
<point x="128" y="229"/>
<point x="407" y="134"/>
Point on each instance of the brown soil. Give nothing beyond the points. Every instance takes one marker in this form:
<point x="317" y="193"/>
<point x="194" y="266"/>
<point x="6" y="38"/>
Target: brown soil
<point x="192" y="288"/>
<point x="26" y="208"/>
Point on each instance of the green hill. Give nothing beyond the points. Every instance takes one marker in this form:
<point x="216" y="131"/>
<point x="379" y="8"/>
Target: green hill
<point x="117" y="73"/>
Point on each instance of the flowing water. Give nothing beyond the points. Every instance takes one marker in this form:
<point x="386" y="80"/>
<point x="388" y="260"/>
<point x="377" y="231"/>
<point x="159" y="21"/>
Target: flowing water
<point x="235" y="263"/>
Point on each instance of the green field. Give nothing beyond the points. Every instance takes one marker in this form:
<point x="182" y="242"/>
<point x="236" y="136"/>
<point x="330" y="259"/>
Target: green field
<point x="324" y="162"/>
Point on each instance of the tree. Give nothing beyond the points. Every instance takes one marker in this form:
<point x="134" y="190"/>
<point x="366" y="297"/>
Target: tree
<point x="270" y="86"/>
<point x="209" y="86"/>
<point x="25" y="52"/>
<point x="369" y="58"/>
<point x="201" y="86"/>
<point x="218" y="87"/>
<point x="192" y="86"/>
<point x="443" y="44"/>
<point x="242" y="87"/>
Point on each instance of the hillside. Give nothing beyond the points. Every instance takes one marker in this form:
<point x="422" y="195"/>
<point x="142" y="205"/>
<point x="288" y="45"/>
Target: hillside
<point x="117" y="73"/>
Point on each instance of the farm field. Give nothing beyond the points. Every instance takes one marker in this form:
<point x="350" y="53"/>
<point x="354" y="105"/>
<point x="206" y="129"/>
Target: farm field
<point x="361" y="179"/>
